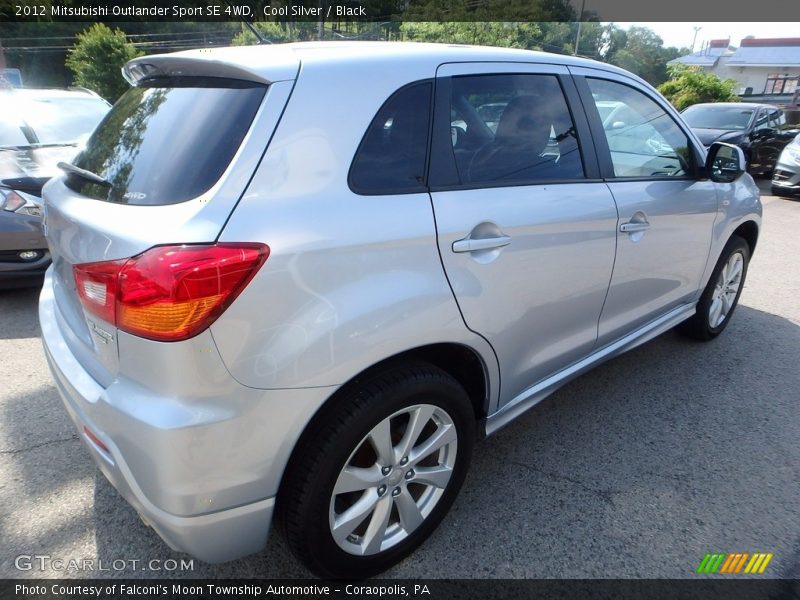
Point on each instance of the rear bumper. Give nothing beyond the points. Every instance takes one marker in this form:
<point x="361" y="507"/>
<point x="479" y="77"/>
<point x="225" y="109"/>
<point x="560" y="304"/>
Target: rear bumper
<point x="156" y="450"/>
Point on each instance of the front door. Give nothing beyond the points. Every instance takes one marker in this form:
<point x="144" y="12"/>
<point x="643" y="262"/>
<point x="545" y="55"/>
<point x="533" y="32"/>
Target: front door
<point x="666" y="212"/>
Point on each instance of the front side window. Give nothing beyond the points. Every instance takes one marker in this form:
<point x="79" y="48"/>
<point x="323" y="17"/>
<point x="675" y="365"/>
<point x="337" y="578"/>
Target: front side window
<point x="761" y="121"/>
<point x="512" y="129"/>
<point x="643" y="139"/>
<point x="776" y="119"/>
<point x="392" y="156"/>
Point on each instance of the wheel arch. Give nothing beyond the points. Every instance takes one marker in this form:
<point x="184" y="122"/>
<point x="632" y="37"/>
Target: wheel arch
<point x="460" y="361"/>
<point x="748" y="231"/>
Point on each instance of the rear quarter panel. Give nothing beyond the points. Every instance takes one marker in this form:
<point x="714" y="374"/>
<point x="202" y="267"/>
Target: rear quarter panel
<point x="351" y="280"/>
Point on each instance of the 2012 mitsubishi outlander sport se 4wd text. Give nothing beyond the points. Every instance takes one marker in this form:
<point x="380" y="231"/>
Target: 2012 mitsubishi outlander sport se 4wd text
<point x="298" y="281"/>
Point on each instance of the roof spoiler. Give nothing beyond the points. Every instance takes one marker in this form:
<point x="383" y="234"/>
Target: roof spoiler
<point x="148" y="67"/>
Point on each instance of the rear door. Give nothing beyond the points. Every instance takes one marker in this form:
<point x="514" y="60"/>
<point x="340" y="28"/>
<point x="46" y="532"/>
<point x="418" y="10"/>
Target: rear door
<point x="526" y="229"/>
<point x="176" y="155"/>
<point x="666" y="210"/>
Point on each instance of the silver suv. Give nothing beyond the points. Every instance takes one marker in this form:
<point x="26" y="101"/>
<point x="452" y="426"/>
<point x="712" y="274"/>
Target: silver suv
<point x="300" y="281"/>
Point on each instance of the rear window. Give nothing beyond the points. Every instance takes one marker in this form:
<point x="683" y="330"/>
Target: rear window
<point x="166" y="142"/>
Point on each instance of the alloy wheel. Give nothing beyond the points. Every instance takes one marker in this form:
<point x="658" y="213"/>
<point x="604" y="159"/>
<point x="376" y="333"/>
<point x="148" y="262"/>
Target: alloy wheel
<point x="726" y="290"/>
<point x="393" y="479"/>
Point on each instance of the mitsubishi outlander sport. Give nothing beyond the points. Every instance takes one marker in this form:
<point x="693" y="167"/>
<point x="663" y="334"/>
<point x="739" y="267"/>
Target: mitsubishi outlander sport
<point x="296" y="283"/>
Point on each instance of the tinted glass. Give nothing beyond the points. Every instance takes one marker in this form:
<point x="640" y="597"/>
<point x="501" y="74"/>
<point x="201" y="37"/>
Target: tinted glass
<point x="512" y="129"/>
<point x="392" y="155"/>
<point x="643" y="139"/>
<point x="164" y="144"/>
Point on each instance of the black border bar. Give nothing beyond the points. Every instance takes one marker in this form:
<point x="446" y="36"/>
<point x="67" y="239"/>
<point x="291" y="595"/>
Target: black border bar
<point x="397" y="11"/>
<point x="716" y="588"/>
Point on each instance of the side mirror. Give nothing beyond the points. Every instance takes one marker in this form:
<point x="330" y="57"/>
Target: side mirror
<point x="725" y="162"/>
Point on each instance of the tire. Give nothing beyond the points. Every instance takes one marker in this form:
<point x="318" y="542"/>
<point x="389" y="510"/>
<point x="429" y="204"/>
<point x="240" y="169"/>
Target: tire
<point x="729" y="274"/>
<point x="399" y="510"/>
<point x="783" y="193"/>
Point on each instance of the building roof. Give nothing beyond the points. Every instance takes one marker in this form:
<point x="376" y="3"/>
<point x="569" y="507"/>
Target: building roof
<point x="708" y="56"/>
<point x="777" y="52"/>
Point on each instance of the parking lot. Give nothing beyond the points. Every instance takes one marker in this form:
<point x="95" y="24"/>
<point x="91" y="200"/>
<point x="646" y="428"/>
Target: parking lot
<point x="636" y="469"/>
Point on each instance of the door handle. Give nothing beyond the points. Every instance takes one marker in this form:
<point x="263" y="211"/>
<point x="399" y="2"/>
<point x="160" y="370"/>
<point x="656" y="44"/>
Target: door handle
<point x="472" y="245"/>
<point x="634" y="226"/>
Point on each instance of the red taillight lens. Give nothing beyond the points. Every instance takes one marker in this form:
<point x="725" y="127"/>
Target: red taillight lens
<point x="169" y="293"/>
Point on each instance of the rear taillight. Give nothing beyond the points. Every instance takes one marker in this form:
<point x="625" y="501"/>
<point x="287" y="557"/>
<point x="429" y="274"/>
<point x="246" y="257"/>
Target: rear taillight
<point x="168" y="293"/>
<point x="97" y="287"/>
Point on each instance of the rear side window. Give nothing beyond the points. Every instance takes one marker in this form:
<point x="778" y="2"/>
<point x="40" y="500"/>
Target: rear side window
<point x="169" y="141"/>
<point x="392" y="156"/>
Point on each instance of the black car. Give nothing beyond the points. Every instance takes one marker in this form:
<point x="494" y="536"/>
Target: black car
<point x="759" y="129"/>
<point x="38" y="129"/>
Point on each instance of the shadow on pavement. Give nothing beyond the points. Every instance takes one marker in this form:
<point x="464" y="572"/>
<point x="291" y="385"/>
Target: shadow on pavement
<point x="633" y="470"/>
<point x="18" y="313"/>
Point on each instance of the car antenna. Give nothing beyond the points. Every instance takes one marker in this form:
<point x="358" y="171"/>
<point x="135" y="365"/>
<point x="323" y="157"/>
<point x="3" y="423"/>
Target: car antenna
<point x="261" y="39"/>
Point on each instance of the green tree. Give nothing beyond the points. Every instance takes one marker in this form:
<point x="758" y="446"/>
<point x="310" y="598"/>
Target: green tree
<point x="290" y="31"/>
<point x="97" y="58"/>
<point x="510" y="35"/>
<point x="689" y="85"/>
<point x="641" y="51"/>
<point x="487" y="10"/>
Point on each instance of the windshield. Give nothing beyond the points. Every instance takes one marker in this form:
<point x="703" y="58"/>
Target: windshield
<point x="63" y="120"/>
<point x="717" y="117"/>
<point x="41" y="120"/>
<point x="167" y="142"/>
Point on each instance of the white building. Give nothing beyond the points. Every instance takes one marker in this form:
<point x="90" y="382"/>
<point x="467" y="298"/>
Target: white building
<point x="765" y="70"/>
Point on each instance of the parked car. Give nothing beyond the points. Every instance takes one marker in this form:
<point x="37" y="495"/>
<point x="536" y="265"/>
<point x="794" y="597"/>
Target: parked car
<point x="257" y="311"/>
<point x="786" y="177"/>
<point x="38" y="128"/>
<point x="759" y="129"/>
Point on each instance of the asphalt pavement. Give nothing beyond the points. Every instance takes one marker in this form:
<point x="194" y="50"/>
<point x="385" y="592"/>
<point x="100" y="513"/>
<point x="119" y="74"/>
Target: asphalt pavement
<point x="635" y="470"/>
